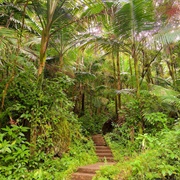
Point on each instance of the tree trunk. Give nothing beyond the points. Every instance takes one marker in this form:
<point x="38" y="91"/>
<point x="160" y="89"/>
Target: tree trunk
<point x="61" y="60"/>
<point x="114" y="70"/>
<point x="171" y="71"/>
<point x="83" y="104"/>
<point x="171" y="66"/>
<point x="44" y="45"/>
<point x="136" y="68"/>
<point x="131" y="72"/>
<point x="119" y="81"/>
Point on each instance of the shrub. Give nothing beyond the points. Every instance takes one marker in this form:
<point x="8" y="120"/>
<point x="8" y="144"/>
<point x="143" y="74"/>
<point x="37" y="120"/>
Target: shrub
<point x="14" y="153"/>
<point x="92" y="124"/>
<point x="157" y="157"/>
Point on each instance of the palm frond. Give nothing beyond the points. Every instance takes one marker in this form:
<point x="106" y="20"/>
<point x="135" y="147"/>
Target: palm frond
<point x="105" y="43"/>
<point x="93" y="9"/>
<point x="164" y="92"/>
<point x="84" y="76"/>
<point x="169" y="97"/>
<point x="135" y="15"/>
<point x="167" y="35"/>
<point x="15" y="18"/>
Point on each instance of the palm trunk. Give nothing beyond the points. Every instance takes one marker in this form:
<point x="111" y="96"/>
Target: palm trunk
<point x="83" y="104"/>
<point x="119" y="81"/>
<point x="51" y="7"/>
<point x="61" y="60"/>
<point x="171" y="67"/>
<point x="171" y="71"/>
<point x="114" y="70"/>
<point x="131" y="72"/>
<point x="44" y="45"/>
<point x="136" y="68"/>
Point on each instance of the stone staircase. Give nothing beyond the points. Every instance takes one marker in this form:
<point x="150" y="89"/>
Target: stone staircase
<point x="103" y="152"/>
<point x="105" y="158"/>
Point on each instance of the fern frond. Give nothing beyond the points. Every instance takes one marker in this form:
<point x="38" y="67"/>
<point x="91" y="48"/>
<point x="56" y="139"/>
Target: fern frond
<point x="167" y="35"/>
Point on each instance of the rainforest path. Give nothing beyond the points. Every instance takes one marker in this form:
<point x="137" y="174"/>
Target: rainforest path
<point x="105" y="157"/>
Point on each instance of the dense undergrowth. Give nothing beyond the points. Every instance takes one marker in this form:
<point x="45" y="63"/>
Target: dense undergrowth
<point x="148" y="157"/>
<point x="146" y="146"/>
<point x="40" y="136"/>
<point x="16" y="162"/>
<point x="66" y="67"/>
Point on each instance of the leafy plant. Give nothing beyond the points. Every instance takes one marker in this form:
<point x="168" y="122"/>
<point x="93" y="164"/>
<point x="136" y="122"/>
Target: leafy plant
<point x="92" y="124"/>
<point x="156" y="158"/>
<point x="157" y="121"/>
<point x="14" y="152"/>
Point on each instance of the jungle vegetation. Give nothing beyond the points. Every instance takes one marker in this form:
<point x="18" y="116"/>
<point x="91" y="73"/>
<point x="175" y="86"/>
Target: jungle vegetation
<point x="69" y="66"/>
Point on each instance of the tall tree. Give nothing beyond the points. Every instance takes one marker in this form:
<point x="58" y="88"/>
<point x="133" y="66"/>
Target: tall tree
<point x="131" y="19"/>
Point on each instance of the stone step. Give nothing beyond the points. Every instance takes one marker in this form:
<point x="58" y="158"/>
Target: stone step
<point x="103" y="151"/>
<point x="104" y="155"/>
<point x="102" y="147"/>
<point x="100" y="144"/>
<point x="108" y="159"/>
<point x="88" y="170"/>
<point x="99" y="141"/>
<point x="82" y="176"/>
<point x="92" y="168"/>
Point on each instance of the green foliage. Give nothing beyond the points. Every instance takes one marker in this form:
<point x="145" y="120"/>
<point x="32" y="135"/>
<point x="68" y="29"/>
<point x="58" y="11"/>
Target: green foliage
<point x="17" y="163"/>
<point x="136" y="15"/>
<point x="148" y="111"/>
<point x="93" y="9"/>
<point x="154" y="153"/>
<point x="92" y="124"/>
<point x="162" y="160"/>
<point x="158" y="157"/>
<point x="169" y="99"/>
<point x="21" y="94"/>
<point x="108" y="173"/>
<point x="157" y="121"/>
<point x="14" y="152"/>
<point x="81" y="152"/>
<point x="46" y="110"/>
<point x="46" y="107"/>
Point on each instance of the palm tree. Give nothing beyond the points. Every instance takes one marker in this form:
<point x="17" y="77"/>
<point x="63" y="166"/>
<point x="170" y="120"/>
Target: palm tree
<point x="131" y="19"/>
<point x="103" y="39"/>
<point x="12" y="18"/>
<point x="47" y="15"/>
